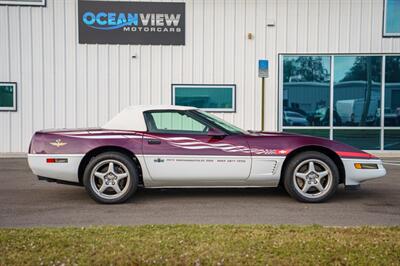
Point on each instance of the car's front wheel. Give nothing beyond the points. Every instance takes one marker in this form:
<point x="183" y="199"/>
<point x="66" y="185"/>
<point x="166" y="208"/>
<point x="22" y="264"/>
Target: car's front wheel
<point x="110" y="177"/>
<point x="311" y="177"/>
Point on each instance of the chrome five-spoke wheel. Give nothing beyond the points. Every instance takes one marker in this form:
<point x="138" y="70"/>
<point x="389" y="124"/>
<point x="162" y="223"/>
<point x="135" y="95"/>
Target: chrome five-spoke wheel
<point x="111" y="177"/>
<point x="312" y="178"/>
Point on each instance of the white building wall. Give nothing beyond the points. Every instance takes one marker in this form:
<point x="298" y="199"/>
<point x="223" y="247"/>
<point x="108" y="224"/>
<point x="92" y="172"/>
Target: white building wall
<point x="65" y="84"/>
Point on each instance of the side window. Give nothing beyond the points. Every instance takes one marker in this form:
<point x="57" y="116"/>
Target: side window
<point x="391" y="18"/>
<point x="173" y="122"/>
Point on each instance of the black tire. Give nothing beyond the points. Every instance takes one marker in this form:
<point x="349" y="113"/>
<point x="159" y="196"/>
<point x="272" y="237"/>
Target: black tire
<point x="120" y="159"/>
<point x="300" y="160"/>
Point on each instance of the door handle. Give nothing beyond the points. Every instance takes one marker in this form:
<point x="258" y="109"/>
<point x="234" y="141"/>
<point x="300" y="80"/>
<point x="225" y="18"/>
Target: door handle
<point x="154" y="141"/>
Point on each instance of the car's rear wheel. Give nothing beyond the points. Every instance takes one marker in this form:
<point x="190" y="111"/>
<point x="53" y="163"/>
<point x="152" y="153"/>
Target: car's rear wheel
<point x="110" y="177"/>
<point x="311" y="177"/>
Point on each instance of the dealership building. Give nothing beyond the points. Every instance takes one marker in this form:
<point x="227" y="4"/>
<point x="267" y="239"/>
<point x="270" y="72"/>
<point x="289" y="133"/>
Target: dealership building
<point x="333" y="66"/>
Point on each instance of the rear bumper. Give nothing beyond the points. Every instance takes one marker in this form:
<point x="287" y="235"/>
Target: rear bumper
<point x="356" y="176"/>
<point x="66" y="170"/>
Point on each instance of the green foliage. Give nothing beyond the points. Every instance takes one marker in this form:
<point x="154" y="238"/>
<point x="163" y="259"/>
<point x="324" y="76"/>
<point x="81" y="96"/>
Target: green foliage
<point x="201" y="244"/>
<point x="359" y="70"/>
<point x="305" y="68"/>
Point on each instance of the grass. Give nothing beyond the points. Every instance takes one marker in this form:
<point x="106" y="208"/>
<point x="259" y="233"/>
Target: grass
<point x="201" y="245"/>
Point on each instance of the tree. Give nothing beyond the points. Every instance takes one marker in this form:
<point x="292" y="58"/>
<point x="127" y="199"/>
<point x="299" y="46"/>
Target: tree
<point x="359" y="69"/>
<point x="305" y="68"/>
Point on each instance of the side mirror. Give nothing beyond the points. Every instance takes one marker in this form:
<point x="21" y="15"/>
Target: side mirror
<point x="216" y="133"/>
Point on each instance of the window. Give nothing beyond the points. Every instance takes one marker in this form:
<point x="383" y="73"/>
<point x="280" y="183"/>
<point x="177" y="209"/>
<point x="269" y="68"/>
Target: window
<point x="392" y="139"/>
<point x="362" y="139"/>
<point x="342" y="97"/>
<point x="215" y="98"/>
<point x="391" y="23"/>
<point x="23" y="2"/>
<point x="357" y="98"/>
<point x="179" y="122"/>
<point x="392" y="92"/>
<point x="8" y="96"/>
<point x="357" y="90"/>
<point x="306" y="90"/>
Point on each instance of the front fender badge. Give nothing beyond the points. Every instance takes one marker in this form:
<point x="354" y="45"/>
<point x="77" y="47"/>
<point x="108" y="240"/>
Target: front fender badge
<point x="58" y="143"/>
<point x="281" y="151"/>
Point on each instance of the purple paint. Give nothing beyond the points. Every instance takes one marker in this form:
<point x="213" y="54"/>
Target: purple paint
<point x="82" y="141"/>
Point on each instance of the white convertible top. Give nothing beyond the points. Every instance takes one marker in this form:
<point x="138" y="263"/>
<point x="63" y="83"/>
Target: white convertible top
<point x="131" y="118"/>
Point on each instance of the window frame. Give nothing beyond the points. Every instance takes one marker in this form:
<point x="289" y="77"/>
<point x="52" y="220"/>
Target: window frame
<point x="384" y="33"/>
<point x="146" y="115"/>
<point x="216" y="86"/>
<point x="331" y="127"/>
<point x="14" y="107"/>
<point x="42" y="3"/>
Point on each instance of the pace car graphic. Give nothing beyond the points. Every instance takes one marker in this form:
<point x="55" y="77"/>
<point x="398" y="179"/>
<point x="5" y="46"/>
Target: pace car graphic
<point x="181" y="142"/>
<point x="58" y="143"/>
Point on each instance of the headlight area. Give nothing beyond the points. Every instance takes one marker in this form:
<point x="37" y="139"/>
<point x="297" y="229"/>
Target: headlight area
<point x="366" y="166"/>
<point x="360" y="170"/>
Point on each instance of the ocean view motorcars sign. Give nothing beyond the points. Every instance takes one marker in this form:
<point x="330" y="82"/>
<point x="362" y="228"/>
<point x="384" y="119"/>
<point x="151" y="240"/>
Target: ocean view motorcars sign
<point x="110" y="22"/>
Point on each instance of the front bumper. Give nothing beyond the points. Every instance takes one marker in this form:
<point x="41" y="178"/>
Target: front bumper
<point x="66" y="170"/>
<point x="356" y="176"/>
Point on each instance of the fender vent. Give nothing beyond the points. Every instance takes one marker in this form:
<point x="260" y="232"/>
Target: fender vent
<point x="274" y="164"/>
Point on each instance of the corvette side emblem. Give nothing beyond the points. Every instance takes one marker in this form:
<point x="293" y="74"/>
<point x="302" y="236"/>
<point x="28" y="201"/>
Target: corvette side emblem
<point x="58" y="143"/>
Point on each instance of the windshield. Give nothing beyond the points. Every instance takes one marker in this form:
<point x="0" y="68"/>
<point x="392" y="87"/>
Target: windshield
<point x="220" y="122"/>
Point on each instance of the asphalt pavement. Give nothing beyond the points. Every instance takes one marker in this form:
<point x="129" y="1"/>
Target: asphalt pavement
<point x="25" y="201"/>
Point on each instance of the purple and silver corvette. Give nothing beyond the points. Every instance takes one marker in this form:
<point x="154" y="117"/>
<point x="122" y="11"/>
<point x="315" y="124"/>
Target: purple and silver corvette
<point x="174" y="146"/>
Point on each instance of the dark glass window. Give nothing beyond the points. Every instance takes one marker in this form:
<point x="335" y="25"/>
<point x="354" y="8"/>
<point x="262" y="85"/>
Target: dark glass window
<point x="357" y="97"/>
<point x="392" y="18"/>
<point x="392" y="139"/>
<point x="306" y="90"/>
<point x="8" y="96"/>
<point x="207" y="97"/>
<point x="362" y="139"/>
<point x="324" y="133"/>
<point x="392" y="91"/>
<point x="357" y="90"/>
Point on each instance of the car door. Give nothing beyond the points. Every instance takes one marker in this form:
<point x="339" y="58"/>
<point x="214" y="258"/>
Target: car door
<point x="178" y="151"/>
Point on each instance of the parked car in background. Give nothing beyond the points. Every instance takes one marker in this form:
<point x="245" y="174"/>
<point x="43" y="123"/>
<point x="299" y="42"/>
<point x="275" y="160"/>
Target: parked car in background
<point x="291" y="118"/>
<point x="174" y="146"/>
